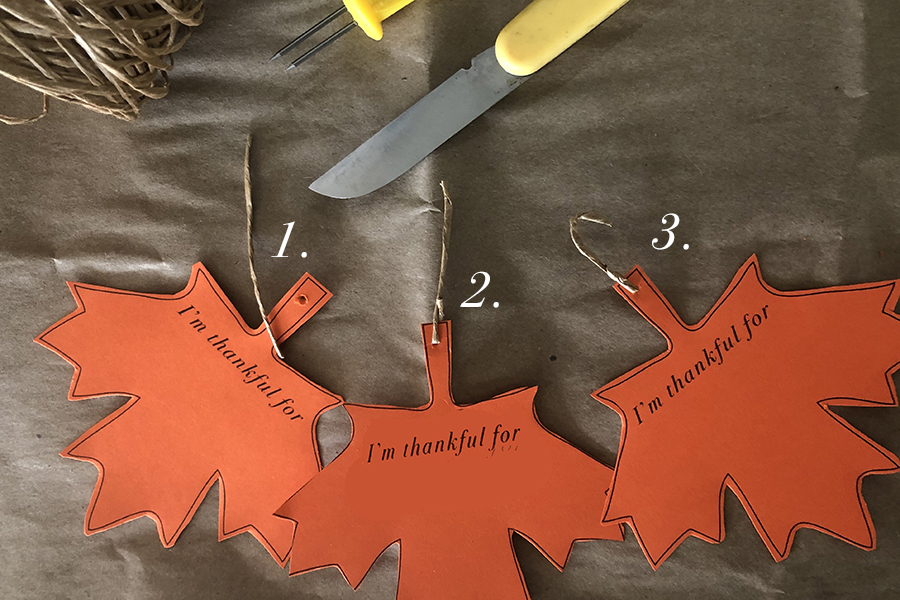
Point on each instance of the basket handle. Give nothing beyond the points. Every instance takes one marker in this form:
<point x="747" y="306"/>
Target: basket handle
<point x="27" y="120"/>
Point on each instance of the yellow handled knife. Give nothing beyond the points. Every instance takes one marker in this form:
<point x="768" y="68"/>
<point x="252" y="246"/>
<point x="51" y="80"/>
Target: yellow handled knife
<point x="537" y="35"/>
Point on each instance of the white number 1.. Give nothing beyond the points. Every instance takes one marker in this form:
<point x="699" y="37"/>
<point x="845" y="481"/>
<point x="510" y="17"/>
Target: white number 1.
<point x="287" y="236"/>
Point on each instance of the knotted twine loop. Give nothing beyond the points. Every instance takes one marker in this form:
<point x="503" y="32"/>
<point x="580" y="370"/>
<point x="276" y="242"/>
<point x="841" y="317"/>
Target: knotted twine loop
<point x="438" y="314"/>
<point x="576" y="239"/>
<point x="248" y="196"/>
<point x="26" y="120"/>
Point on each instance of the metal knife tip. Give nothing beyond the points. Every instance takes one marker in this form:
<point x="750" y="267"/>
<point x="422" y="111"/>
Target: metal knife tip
<point x="326" y="189"/>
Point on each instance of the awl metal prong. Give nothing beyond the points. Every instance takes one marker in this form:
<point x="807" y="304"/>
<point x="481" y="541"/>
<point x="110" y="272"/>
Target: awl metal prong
<point x="310" y="32"/>
<point x="367" y="14"/>
<point x="326" y="42"/>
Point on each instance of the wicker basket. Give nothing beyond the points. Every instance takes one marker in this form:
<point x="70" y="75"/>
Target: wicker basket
<point x="107" y="55"/>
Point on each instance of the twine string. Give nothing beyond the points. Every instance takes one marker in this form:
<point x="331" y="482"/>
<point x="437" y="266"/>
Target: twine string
<point x="248" y="195"/>
<point x="26" y="120"/>
<point x="576" y="239"/>
<point x="438" y="314"/>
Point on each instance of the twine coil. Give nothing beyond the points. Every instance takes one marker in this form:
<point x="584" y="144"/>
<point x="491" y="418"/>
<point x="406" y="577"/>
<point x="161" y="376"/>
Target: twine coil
<point x="106" y="55"/>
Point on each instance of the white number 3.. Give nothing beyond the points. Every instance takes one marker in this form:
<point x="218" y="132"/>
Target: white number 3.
<point x="668" y="230"/>
<point x="468" y="303"/>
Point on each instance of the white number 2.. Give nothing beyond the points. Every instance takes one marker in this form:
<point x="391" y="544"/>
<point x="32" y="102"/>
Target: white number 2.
<point x="668" y="230"/>
<point x="469" y="303"/>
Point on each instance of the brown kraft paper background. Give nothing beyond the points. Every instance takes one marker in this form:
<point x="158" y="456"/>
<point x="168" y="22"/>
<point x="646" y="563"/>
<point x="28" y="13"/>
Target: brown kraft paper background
<point x="768" y="127"/>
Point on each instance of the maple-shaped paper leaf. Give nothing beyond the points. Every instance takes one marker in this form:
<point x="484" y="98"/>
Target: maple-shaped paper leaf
<point x="741" y="400"/>
<point x="209" y="401"/>
<point x="451" y="483"/>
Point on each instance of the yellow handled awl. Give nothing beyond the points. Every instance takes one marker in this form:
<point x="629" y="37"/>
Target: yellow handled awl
<point x="368" y="14"/>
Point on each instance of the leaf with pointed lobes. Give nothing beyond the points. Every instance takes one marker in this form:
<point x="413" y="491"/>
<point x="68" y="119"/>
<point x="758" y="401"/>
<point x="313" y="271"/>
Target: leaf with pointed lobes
<point x="452" y="484"/>
<point x="209" y="400"/>
<point x="741" y="400"/>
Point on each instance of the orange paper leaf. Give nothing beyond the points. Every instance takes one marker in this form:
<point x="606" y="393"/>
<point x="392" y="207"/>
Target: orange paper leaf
<point x="209" y="401"/>
<point x="741" y="400"/>
<point x="451" y="483"/>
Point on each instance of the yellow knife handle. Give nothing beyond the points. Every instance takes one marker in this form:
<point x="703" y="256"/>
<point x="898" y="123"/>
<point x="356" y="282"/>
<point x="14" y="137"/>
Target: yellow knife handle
<point x="545" y="29"/>
<point x="369" y="14"/>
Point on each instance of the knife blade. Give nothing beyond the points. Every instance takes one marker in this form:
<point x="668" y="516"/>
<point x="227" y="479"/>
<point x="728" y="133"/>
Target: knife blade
<point x="413" y="135"/>
<point x="537" y="35"/>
